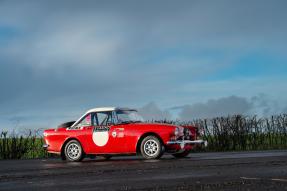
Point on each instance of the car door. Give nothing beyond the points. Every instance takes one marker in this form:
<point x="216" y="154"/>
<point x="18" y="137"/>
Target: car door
<point x="80" y="131"/>
<point x="105" y="137"/>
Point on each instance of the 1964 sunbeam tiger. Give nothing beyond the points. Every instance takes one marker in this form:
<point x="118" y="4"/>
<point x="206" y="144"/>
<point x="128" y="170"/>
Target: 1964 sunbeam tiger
<point x="114" y="131"/>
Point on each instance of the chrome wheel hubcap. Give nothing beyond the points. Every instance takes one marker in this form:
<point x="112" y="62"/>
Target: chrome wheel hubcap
<point x="74" y="151"/>
<point x="151" y="148"/>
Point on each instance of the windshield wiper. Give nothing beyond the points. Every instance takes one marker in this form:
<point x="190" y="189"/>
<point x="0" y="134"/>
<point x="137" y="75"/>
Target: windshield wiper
<point x="137" y="121"/>
<point x="127" y="122"/>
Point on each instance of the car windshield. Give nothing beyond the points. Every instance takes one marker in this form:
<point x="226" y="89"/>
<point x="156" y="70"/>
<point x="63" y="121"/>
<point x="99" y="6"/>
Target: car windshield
<point x="128" y="116"/>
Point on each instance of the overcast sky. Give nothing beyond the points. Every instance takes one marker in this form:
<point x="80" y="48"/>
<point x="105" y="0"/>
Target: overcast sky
<point x="172" y="59"/>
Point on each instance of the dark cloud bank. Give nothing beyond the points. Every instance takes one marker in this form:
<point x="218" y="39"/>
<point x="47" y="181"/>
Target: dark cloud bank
<point x="258" y="105"/>
<point x="214" y="108"/>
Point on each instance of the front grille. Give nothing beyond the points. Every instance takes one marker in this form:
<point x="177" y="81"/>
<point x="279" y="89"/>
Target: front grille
<point x="185" y="135"/>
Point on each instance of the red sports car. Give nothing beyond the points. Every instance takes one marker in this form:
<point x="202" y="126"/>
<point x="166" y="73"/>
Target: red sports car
<point x="118" y="131"/>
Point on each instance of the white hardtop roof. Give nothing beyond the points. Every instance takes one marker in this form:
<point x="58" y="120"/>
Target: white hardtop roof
<point x="97" y="109"/>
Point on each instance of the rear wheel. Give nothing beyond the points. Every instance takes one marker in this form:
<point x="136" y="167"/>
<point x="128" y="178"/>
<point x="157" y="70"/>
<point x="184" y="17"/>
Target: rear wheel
<point x="74" y="151"/>
<point x="151" y="148"/>
<point x="182" y="154"/>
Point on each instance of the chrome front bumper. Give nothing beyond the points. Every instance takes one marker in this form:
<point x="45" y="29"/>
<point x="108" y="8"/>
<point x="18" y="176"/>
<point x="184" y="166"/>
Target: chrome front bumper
<point x="182" y="143"/>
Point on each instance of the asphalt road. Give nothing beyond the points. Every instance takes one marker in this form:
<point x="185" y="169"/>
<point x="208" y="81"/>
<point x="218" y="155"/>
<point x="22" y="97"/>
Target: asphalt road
<point x="265" y="170"/>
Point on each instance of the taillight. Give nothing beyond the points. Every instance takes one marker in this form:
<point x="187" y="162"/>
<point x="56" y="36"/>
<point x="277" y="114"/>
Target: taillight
<point x="175" y="134"/>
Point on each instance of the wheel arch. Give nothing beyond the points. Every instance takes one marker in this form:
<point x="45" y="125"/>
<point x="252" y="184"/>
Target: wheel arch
<point x="64" y="144"/>
<point x="144" y="136"/>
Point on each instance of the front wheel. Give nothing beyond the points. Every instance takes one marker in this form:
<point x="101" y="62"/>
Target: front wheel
<point x="182" y="154"/>
<point x="74" y="151"/>
<point x="151" y="148"/>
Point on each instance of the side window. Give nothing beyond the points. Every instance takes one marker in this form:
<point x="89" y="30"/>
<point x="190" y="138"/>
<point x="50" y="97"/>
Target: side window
<point x="86" y="121"/>
<point x="103" y="118"/>
<point x="95" y="120"/>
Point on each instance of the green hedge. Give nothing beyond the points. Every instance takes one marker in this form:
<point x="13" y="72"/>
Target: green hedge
<point x="236" y="133"/>
<point x="21" y="147"/>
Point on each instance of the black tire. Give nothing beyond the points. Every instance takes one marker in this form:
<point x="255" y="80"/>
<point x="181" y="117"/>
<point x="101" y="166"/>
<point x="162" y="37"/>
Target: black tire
<point x="74" y="151"/>
<point x="63" y="156"/>
<point x="151" y="147"/>
<point x="182" y="154"/>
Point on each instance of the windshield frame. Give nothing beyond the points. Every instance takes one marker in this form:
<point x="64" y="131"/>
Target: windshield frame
<point x="138" y="118"/>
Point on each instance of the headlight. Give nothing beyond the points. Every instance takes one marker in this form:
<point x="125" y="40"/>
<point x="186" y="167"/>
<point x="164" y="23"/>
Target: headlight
<point x="179" y="131"/>
<point x="45" y="134"/>
<point x="176" y="131"/>
<point x="188" y="132"/>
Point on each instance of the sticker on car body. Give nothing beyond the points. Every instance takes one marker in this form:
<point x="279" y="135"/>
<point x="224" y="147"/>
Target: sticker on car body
<point x="120" y="132"/>
<point x="114" y="134"/>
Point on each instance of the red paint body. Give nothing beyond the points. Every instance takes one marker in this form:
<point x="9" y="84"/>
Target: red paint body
<point x="125" y="144"/>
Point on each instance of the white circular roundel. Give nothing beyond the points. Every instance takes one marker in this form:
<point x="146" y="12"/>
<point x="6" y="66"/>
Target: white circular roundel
<point x="100" y="138"/>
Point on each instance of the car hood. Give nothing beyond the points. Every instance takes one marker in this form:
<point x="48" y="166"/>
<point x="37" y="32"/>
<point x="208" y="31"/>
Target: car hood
<point x="151" y="125"/>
